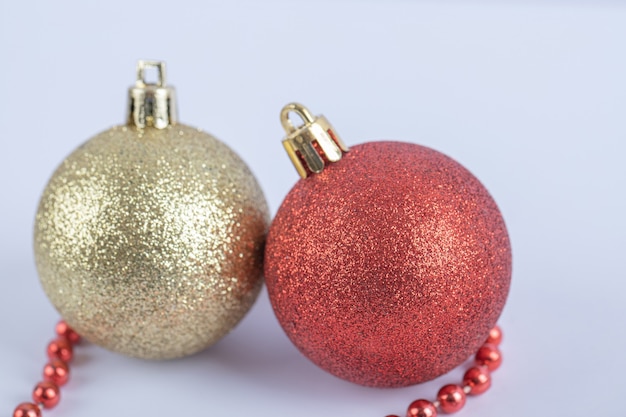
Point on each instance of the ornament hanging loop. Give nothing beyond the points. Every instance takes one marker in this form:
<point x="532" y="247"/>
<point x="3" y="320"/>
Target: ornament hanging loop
<point x="141" y="73"/>
<point x="151" y="104"/>
<point x="298" y="109"/>
<point x="312" y="145"/>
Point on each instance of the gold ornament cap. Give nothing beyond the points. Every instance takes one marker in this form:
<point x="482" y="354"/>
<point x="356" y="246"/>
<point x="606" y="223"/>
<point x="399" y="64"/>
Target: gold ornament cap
<point x="312" y="145"/>
<point x="151" y="104"/>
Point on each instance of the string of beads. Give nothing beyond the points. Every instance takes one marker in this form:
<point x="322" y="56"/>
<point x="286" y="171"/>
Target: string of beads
<point x="477" y="379"/>
<point x="450" y="398"/>
<point x="56" y="373"/>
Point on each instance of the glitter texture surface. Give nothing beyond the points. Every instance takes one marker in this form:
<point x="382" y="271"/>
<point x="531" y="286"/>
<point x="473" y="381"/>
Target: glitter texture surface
<point x="150" y="243"/>
<point x="390" y="267"/>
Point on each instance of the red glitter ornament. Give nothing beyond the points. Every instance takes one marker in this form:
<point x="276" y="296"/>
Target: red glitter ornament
<point x="390" y="266"/>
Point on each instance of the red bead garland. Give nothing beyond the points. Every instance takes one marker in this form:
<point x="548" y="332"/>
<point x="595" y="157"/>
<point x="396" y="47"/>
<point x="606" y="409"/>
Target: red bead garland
<point x="450" y="398"/>
<point x="46" y="393"/>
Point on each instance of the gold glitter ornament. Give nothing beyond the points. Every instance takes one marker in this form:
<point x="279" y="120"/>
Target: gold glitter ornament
<point x="149" y="237"/>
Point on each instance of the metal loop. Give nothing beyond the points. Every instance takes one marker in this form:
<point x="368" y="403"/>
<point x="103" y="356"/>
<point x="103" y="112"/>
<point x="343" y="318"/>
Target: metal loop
<point x="298" y="109"/>
<point x="141" y="72"/>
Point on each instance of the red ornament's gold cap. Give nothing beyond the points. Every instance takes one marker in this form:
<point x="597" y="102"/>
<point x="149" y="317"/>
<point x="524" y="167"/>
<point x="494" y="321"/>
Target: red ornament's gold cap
<point x="313" y="144"/>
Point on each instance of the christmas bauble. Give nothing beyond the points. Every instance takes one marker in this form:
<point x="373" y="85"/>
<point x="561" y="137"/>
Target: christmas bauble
<point x="149" y="240"/>
<point x="389" y="266"/>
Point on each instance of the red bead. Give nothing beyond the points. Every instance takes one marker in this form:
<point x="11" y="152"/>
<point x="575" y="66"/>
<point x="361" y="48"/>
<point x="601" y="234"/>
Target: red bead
<point x="64" y="330"/>
<point x="27" y="410"/>
<point x="478" y="379"/>
<point x="495" y="336"/>
<point x="489" y="355"/>
<point x="451" y="398"/>
<point x="56" y="371"/>
<point x="60" y="348"/>
<point x="47" y="393"/>
<point x="421" y="408"/>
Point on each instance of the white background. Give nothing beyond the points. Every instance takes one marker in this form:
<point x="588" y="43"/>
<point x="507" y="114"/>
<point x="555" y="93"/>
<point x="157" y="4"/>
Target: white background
<point x="530" y="96"/>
